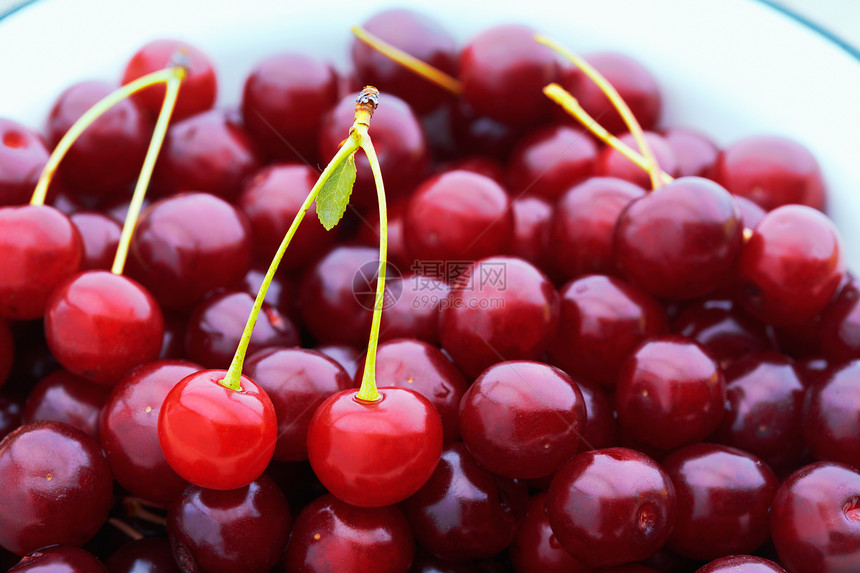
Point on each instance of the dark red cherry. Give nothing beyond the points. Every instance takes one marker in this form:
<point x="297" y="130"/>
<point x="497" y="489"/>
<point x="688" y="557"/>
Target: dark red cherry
<point x="347" y="356"/>
<point x="147" y="555"/>
<point x="500" y="308"/>
<point x="188" y="245"/>
<point x="814" y="519"/>
<point x="610" y="507"/>
<point x="831" y="426"/>
<point x="368" y="234"/>
<point x="418" y="35"/>
<point x="217" y="323"/>
<point x="476" y="133"/>
<point x="208" y="152"/>
<point x="283" y="291"/>
<point x="57" y="487"/>
<point x="535" y="549"/>
<point x="198" y="90"/>
<point x="100" y="325"/>
<point x="532" y="221"/>
<point x="633" y="81"/>
<point x="681" y="241"/>
<point x="459" y="216"/>
<point x="283" y="103"/>
<point x="601" y="427"/>
<point x="723" y="497"/>
<point x="100" y="235"/>
<point x="670" y="393"/>
<point x="243" y="530"/>
<point x="372" y="454"/>
<point x="504" y="71"/>
<point x="791" y="266"/>
<point x="772" y="171"/>
<point x="108" y="155"/>
<point x="551" y="160"/>
<point x="611" y="163"/>
<point x="602" y="320"/>
<point x="464" y="511"/>
<point x="840" y="325"/>
<point x="60" y="559"/>
<point x="741" y="564"/>
<point x="22" y="157"/>
<point x="414" y="308"/>
<point x="297" y="381"/>
<point x="583" y="225"/>
<point x="330" y="535"/>
<point x="128" y="429"/>
<point x="694" y="152"/>
<point x="813" y="370"/>
<point x="64" y="397"/>
<point x="41" y="248"/>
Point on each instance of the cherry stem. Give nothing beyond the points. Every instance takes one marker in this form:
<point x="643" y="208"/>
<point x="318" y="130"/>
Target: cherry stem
<point x="92" y="114"/>
<point x="563" y="98"/>
<point x="126" y="528"/>
<point x="618" y="102"/>
<point x="409" y="62"/>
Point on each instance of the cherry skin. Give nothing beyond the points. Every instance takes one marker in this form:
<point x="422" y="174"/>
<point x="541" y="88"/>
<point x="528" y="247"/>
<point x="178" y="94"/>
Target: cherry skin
<point x="602" y="320"/>
<point x="283" y="102"/>
<point x="147" y="555"/>
<point x="41" y="248"/>
<point x="601" y="427"/>
<point x="840" y="325"/>
<point x="216" y="437"/>
<point x="331" y="535"/>
<point x="830" y="423"/>
<point x="680" y="242"/>
<point x="695" y="153"/>
<point x="611" y="163"/>
<point x="90" y="312"/>
<point x="282" y="294"/>
<point x="464" y="511"/>
<point x="791" y="266"/>
<point x="772" y="171"/>
<point x="100" y="235"/>
<point x="522" y="419"/>
<point x="64" y="397"/>
<point x="535" y="549"/>
<point x="372" y="454"/>
<point x="243" y="530"/>
<point x="813" y="519"/>
<point x="532" y="221"/>
<point x="500" y="308"/>
<point x="297" y="381"/>
<point x="414" y="312"/>
<point x="57" y="487"/>
<point x="22" y="157"/>
<point x="741" y="564"/>
<point x="128" y="428"/>
<point x="610" y="507"/>
<point x="60" y="559"/>
<point x="723" y="497"/>
<point x="198" y="89"/>
<point x="350" y="358"/>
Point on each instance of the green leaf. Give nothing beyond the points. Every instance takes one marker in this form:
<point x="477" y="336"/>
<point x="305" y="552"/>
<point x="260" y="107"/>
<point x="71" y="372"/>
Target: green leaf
<point x="334" y="193"/>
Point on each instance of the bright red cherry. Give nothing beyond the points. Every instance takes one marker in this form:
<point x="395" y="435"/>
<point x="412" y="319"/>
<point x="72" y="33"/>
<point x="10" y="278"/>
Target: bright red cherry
<point x="216" y="437"/>
<point x="535" y="549"/>
<point x="372" y="454"/>
<point x="100" y="325"/>
<point x="22" y="157"/>
<point x="100" y="235"/>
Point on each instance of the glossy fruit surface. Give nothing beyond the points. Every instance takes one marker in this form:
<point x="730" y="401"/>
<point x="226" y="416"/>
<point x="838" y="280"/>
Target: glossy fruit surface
<point x="100" y="236"/>
<point x="147" y="555"/>
<point x="535" y="549"/>
<point x="64" y="397"/>
<point x="830" y="421"/>
<point x="60" y="559"/>
<point x="741" y="564"/>
<point x="22" y="156"/>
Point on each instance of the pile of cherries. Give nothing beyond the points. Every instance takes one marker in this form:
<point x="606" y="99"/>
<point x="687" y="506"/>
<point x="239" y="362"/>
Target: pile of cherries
<point x="627" y="378"/>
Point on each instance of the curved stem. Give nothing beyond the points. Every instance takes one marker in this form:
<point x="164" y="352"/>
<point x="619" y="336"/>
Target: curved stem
<point x="368" y="391"/>
<point x="92" y="114"/>
<point x="158" y="134"/>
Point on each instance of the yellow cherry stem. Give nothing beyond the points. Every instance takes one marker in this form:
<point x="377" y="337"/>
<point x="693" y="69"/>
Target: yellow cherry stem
<point x="617" y="101"/>
<point x="409" y="62"/>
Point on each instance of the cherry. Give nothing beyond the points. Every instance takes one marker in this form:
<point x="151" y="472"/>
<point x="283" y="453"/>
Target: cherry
<point x="283" y="102"/>
<point x="772" y="171"/>
<point x="601" y="426"/>
<point x="372" y="454"/>
<point x="297" y="381"/>
<point x="611" y="163"/>
<point x="522" y="419"/>
<point x="464" y="511"/>
<point x="532" y="220"/>
<point x="22" y="157"/>
<point x="415" y="311"/>
<point x="107" y="157"/>
<point x="147" y="555"/>
<point x="331" y="535"/>
<point x="282" y="294"/>
<point x="723" y="497"/>
<point x="64" y="397"/>
<point x="214" y="436"/>
<point x="41" y="249"/>
<point x="741" y="564"/>
<point x="602" y="320"/>
<point x="90" y="312"/>
<point x="680" y="242"/>
<point x="503" y="71"/>
<point x="100" y="235"/>
<point x="198" y="89"/>
<point x="791" y="266"/>
<point x="128" y="429"/>
<point x="535" y="549"/>
<point x="840" y="325"/>
<point x="242" y="530"/>
<point x="694" y="152"/>
<point x="583" y="223"/>
<point x="830" y="423"/>
<point x="475" y="133"/>
<point x="208" y="152"/>
<point x="368" y="234"/>
<point x="347" y="356"/>
<point x="60" y="559"/>
<point x="814" y="521"/>
<point x="458" y="215"/>
<point x="550" y="160"/>
<point x="57" y="487"/>
<point x="500" y="308"/>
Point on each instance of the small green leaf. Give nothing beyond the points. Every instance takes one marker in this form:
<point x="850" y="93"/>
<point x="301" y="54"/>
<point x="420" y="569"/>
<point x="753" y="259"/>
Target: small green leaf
<point x="334" y="193"/>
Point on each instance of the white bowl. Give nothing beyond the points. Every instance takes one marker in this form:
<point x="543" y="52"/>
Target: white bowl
<point x="730" y="68"/>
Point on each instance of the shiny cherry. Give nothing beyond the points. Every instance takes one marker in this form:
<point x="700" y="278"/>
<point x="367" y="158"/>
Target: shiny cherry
<point x="535" y="549"/>
<point x="840" y="325"/>
<point x="532" y="221"/>
<point x="64" y="397"/>
<point x="100" y="235"/>
<point x="22" y="156"/>
<point x="830" y="421"/>
<point x="347" y="356"/>
<point x="59" y="559"/>
<point x="611" y="163"/>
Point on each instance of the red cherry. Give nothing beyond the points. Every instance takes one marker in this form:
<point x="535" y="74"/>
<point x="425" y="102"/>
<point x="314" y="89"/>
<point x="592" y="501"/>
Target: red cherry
<point x="830" y="420"/>
<point x="696" y="154"/>
<point x="535" y="549"/>
<point x="22" y="157"/>
<point x="59" y="559"/>
<point x="741" y="564"/>
<point x="216" y="437"/>
<point x="372" y="454"/>
<point x="610" y="163"/>
<point x="100" y="235"/>
<point x="64" y="397"/>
